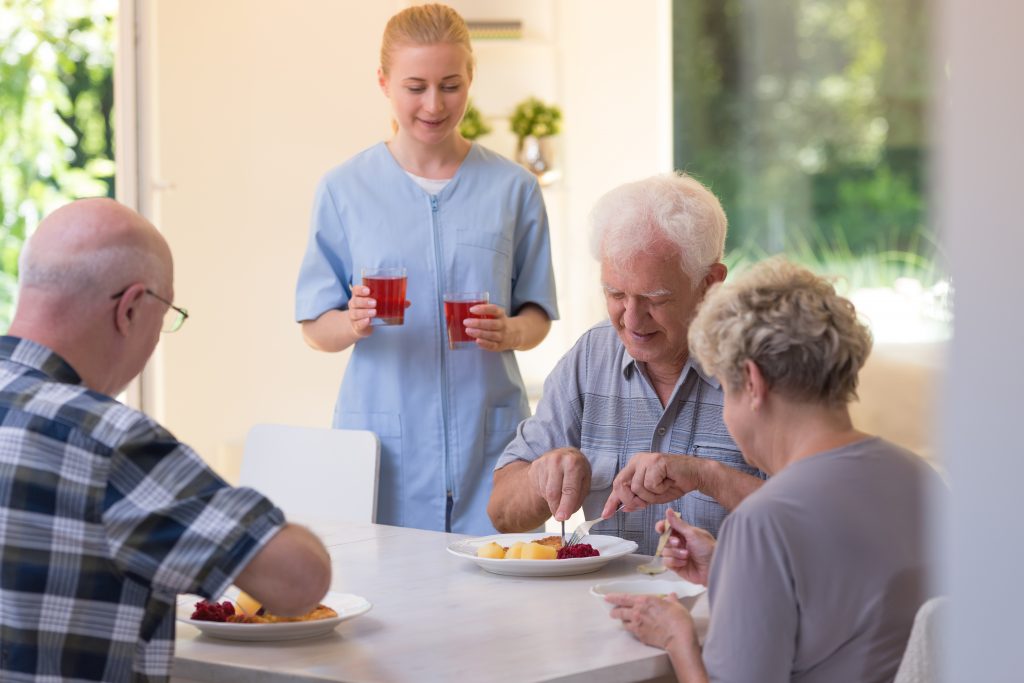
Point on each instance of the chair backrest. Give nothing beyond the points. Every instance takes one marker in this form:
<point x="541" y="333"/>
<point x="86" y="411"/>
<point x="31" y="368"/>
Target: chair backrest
<point x="920" y="663"/>
<point x="314" y="475"/>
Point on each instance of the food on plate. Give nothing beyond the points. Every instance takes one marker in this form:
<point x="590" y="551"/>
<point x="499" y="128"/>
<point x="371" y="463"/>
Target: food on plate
<point x="227" y="612"/>
<point x="577" y="550"/>
<point x="547" y="548"/>
<point x="264" y="617"/>
<point x="213" y="611"/>
<point x="492" y="550"/>
<point x="536" y="551"/>
<point x="248" y="604"/>
<point x="515" y="551"/>
<point x="553" y="541"/>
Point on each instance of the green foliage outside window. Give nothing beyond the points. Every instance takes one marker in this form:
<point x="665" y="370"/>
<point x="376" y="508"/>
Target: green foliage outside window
<point x="56" y="128"/>
<point x="808" y="119"/>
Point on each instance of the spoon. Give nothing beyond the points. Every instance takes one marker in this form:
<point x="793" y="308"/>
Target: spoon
<point x="656" y="566"/>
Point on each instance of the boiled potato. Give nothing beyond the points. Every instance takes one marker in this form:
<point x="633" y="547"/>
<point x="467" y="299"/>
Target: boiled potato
<point x="247" y="604"/>
<point x="536" y="551"/>
<point x="515" y="551"/>
<point x="491" y="550"/>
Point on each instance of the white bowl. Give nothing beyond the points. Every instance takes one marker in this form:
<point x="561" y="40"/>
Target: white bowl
<point x="681" y="589"/>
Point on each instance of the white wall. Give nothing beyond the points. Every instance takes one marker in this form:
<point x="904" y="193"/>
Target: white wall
<point x="617" y="85"/>
<point x="246" y="104"/>
<point x="981" y="144"/>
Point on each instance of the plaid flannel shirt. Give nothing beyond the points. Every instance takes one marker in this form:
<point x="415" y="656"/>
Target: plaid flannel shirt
<point x="104" y="518"/>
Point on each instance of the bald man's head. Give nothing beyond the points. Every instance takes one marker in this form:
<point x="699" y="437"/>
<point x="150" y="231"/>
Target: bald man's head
<point x="87" y="274"/>
<point x="94" y="246"/>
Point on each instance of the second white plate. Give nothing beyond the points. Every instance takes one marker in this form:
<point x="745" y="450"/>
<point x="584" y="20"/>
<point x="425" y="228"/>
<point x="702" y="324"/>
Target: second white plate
<point x="610" y="548"/>
<point x="347" y="606"/>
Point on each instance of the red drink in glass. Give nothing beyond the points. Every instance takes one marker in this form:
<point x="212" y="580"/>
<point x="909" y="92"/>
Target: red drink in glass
<point x="456" y="309"/>
<point x="387" y="287"/>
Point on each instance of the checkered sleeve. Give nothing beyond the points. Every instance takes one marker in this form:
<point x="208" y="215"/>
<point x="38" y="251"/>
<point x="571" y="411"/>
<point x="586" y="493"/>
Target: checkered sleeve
<point x="173" y="524"/>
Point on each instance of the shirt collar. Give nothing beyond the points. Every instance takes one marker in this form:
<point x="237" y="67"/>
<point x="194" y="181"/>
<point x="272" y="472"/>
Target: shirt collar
<point x="38" y="357"/>
<point x="629" y="365"/>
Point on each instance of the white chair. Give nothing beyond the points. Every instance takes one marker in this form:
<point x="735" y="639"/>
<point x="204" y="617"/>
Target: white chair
<point x="920" y="663"/>
<point x="314" y="475"/>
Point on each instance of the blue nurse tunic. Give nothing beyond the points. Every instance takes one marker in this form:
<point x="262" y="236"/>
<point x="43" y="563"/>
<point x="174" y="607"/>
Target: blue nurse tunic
<point x="443" y="416"/>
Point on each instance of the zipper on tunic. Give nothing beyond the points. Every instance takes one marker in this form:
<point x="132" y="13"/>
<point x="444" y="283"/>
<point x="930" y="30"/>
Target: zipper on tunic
<point x="445" y="418"/>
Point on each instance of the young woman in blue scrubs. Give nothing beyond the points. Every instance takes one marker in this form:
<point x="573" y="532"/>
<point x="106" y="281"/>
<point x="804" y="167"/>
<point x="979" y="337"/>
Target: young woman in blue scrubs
<point x="458" y="217"/>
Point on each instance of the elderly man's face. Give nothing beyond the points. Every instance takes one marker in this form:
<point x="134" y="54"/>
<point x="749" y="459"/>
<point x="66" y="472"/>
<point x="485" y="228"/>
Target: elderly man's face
<point x="650" y="303"/>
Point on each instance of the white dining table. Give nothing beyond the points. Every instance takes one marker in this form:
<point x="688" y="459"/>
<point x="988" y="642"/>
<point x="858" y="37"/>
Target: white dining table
<point x="439" y="617"/>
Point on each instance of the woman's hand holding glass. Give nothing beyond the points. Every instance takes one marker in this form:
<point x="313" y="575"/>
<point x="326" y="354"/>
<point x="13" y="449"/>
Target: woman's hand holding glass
<point x="362" y="308"/>
<point x="496" y="332"/>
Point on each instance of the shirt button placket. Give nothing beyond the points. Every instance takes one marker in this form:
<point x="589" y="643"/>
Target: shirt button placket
<point x="660" y="445"/>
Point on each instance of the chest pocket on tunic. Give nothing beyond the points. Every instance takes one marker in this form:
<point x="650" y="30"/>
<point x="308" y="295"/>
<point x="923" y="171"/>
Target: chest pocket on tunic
<point x="483" y="260"/>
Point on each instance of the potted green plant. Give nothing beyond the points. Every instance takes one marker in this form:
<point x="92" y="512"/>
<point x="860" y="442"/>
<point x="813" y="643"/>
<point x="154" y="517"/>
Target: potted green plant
<point x="534" y="123"/>
<point x="473" y="123"/>
<point x="533" y="117"/>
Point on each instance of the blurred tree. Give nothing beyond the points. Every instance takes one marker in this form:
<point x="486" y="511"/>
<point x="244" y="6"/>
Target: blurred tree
<point x="807" y="117"/>
<point x="56" y="128"/>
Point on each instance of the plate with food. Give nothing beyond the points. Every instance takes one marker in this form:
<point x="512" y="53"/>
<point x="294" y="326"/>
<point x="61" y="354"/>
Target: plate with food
<point x="539" y="554"/>
<point x="239" y="617"/>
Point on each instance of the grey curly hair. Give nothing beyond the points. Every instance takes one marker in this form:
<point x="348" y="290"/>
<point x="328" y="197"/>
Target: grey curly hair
<point x="806" y="339"/>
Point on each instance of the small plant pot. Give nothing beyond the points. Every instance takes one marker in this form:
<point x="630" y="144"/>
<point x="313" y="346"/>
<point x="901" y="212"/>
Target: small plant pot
<point x="538" y="156"/>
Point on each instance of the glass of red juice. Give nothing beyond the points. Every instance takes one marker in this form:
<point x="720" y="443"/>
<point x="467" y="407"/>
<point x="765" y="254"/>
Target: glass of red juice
<point x="456" y="309"/>
<point x="387" y="286"/>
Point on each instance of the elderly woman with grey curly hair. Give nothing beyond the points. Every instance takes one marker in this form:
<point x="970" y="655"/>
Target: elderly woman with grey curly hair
<point x="817" y="575"/>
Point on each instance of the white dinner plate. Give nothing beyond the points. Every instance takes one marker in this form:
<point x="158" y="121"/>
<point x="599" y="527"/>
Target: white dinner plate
<point x="610" y="548"/>
<point x="347" y="606"/>
<point x="648" y="585"/>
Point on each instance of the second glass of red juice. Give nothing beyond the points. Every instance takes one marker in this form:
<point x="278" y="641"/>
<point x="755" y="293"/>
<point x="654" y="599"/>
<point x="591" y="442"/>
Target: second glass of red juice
<point x="456" y="309"/>
<point x="387" y="286"/>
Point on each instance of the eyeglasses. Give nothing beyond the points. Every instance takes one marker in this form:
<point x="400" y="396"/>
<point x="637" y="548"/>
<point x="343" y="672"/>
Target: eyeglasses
<point x="173" y="319"/>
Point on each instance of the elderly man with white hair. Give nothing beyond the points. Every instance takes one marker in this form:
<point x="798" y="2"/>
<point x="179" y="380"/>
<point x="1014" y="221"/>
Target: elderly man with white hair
<point x="627" y="417"/>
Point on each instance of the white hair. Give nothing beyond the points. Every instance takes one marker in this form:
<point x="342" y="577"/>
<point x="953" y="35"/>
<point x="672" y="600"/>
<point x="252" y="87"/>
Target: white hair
<point x="633" y="218"/>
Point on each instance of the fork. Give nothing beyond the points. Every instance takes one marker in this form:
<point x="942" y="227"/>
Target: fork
<point x="657" y="566"/>
<point x="583" y="529"/>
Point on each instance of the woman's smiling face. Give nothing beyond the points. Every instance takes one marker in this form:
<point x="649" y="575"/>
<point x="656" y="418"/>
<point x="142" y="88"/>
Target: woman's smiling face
<point x="428" y="86"/>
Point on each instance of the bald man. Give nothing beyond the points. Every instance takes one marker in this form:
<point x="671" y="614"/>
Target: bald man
<point x="104" y="516"/>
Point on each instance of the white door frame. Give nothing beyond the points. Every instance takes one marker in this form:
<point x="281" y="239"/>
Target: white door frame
<point x="132" y="152"/>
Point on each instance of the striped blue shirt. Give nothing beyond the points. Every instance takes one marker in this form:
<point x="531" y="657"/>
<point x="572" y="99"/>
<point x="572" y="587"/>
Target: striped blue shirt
<point x="599" y="400"/>
<point x="104" y="518"/>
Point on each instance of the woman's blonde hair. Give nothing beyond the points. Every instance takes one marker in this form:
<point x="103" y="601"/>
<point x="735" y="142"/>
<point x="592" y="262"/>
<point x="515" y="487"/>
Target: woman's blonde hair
<point x="425" y="25"/>
<point x="806" y="339"/>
